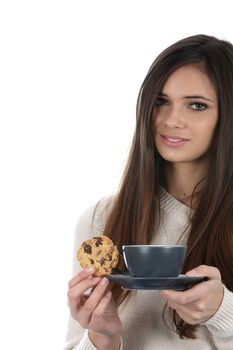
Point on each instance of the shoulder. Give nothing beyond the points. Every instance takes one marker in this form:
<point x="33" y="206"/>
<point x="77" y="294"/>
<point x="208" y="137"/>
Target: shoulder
<point x="92" y="220"/>
<point x="91" y="223"/>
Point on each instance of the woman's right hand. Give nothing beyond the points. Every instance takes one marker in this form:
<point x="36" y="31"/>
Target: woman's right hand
<point x="95" y="311"/>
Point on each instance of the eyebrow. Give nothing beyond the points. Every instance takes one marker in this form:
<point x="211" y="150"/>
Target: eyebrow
<point x="190" y="97"/>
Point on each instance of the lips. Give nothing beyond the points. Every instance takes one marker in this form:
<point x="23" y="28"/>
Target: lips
<point x="174" y="139"/>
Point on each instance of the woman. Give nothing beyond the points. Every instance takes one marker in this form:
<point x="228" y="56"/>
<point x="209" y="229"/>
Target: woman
<point x="177" y="187"/>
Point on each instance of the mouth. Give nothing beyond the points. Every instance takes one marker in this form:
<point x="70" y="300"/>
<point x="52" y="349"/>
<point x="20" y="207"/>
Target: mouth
<point x="173" y="140"/>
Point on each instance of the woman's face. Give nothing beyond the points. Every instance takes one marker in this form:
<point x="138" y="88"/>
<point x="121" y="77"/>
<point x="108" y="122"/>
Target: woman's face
<point x="185" y="115"/>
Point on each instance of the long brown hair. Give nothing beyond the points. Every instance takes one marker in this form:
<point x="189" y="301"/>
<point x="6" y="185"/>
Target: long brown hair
<point x="135" y="214"/>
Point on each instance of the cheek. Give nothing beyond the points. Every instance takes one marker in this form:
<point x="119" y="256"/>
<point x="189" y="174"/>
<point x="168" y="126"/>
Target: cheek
<point x="211" y="122"/>
<point x="209" y="129"/>
<point x="204" y="135"/>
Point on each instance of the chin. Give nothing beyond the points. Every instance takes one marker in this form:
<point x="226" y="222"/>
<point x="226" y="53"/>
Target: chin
<point x="173" y="157"/>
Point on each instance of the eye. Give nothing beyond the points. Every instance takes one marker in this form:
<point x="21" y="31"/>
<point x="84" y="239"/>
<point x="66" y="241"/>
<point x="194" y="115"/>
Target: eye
<point x="160" y="101"/>
<point x="197" y="106"/>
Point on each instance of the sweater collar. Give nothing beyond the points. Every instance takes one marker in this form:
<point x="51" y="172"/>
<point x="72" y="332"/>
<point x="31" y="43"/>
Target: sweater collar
<point x="172" y="206"/>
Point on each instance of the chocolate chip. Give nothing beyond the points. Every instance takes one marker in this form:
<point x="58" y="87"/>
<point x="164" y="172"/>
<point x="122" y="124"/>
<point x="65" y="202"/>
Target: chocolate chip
<point x="101" y="261"/>
<point x="87" y="248"/>
<point x="92" y="261"/>
<point x="98" y="242"/>
<point x="109" y="257"/>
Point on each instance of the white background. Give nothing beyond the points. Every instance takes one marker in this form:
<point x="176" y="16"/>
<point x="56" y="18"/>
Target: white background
<point x="70" y="72"/>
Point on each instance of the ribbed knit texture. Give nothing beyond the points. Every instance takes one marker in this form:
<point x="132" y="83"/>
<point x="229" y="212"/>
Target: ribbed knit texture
<point x="141" y="315"/>
<point x="85" y="343"/>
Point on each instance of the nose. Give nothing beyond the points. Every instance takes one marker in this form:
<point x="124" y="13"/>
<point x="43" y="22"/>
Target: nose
<point x="174" y="118"/>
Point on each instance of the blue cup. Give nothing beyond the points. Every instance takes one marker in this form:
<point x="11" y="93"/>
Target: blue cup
<point x="154" y="260"/>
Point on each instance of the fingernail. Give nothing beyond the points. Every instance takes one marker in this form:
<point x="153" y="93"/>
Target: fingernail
<point x="89" y="270"/>
<point x="163" y="293"/>
<point x="104" y="281"/>
<point x="191" y="273"/>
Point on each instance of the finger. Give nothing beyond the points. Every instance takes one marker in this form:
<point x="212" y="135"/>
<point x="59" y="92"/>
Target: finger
<point x="204" y="270"/>
<point x="75" y="293"/>
<point x="190" y="315"/>
<point x="179" y="308"/>
<point x="102" y="306"/>
<point x="85" y="273"/>
<point x="96" y="295"/>
<point x="184" y="297"/>
<point x="185" y="317"/>
<point x="197" y="292"/>
<point x="180" y="297"/>
<point x="172" y="305"/>
<point x="182" y="310"/>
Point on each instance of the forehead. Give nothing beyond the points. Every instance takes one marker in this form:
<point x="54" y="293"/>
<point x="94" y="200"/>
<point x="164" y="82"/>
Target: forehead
<point x="189" y="80"/>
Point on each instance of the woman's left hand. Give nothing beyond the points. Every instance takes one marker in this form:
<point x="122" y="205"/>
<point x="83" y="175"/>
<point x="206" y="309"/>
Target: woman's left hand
<point x="199" y="303"/>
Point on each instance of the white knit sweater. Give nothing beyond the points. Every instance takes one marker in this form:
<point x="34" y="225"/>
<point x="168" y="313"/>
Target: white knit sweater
<point x="141" y="315"/>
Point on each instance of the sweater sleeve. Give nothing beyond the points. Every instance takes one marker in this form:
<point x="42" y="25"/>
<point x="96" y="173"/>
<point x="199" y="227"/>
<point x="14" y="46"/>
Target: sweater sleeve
<point x="91" y="223"/>
<point x="75" y="333"/>
<point x="221" y="324"/>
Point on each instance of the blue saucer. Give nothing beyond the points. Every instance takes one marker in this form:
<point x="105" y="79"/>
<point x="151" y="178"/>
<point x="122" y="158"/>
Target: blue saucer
<point x="182" y="282"/>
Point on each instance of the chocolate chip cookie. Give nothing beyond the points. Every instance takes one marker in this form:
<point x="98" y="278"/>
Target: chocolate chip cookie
<point x="100" y="253"/>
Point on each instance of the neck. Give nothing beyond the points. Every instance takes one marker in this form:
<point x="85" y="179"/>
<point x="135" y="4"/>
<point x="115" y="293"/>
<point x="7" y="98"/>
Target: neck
<point x="182" y="179"/>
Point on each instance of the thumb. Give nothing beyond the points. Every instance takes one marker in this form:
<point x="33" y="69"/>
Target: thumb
<point x="204" y="270"/>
